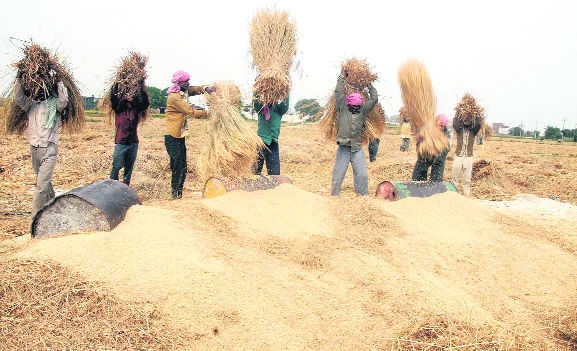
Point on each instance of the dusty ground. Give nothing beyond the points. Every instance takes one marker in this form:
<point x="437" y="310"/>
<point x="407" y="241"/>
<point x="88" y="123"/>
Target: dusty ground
<point x="292" y="268"/>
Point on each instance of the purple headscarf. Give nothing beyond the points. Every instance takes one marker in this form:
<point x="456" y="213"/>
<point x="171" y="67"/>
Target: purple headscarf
<point x="355" y="99"/>
<point x="178" y="77"/>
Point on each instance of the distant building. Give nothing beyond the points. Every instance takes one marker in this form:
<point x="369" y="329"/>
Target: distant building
<point x="500" y="128"/>
<point x="91" y="102"/>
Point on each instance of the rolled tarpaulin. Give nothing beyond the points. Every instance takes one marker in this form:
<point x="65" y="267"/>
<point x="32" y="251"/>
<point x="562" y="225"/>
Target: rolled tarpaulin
<point x="402" y="190"/>
<point x="214" y="186"/>
<point x="99" y="206"/>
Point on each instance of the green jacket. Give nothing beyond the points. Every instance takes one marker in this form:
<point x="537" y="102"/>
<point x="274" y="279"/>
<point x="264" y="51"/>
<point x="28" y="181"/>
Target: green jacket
<point x="270" y="130"/>
<point x="351" y="126"/>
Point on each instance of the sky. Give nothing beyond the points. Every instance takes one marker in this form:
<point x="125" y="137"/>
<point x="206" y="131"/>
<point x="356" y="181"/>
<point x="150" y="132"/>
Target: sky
<point x="518" y="58"/>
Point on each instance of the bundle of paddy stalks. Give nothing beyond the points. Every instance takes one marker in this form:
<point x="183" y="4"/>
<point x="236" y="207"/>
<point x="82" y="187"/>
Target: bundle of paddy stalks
<point x="359" y="76"/>
<point x="468" y="108"/>
<point x="273" y="47"/>
<point x="38" y="74"/>
<point x="420" y="107"/>
<point x="129" y="79"/>
<point x="232" y="144"/>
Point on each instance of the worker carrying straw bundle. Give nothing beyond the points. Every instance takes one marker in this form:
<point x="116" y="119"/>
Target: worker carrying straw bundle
<point x="128" y="105"/>
<point x="352" y="110"/>
<point x="44" y="96"/>
<point x="232" y="144"/>
<point x="420" y="106"/>
<point x="468" y="121"/>
<point x="273" y="47"/>
<point x="359" y="77"/>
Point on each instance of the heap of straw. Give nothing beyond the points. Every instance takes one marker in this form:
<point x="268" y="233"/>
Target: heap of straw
<point x="273" y="47"/>
<point x="232" y="144"/>
<point x="129" y="76"/>
<point x="359" y="76"/>
<point x="38" y="74"/>
<point x="468" y="108"/>
<point x="420" y="107"/>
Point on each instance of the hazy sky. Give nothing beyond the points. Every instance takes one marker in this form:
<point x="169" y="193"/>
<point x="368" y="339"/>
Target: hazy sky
<point x="518" y="58"/>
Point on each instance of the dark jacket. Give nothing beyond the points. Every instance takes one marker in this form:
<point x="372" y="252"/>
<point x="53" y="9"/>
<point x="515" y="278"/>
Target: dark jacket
<point x="465" y="136"/>
<point x="350" y="126"/>
<point x="128" y="115"/>
<point x="269" y="130"/>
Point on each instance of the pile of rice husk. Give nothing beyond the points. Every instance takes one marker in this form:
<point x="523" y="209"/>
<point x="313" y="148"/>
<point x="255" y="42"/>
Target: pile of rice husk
<point x="359" y="76"/>
<point x="38" y="73"/>
<point x="232" y="144"/>
<point x="129" y="75"/>
<point x="273" y="47"/>
<point x="485" y="169"/>
<point x="420" y="104"/>
<point x="468" y="108"/>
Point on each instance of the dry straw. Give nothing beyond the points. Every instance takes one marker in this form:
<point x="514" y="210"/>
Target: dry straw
<point x="359" y="76"/>
<point x="273" y="47"/>
<point x="232" y="144"/>
<point x="468" y="108"/>
<point x="130" y="75"/>
<point x="38" y="74"/>
<point x="420" y="106"/>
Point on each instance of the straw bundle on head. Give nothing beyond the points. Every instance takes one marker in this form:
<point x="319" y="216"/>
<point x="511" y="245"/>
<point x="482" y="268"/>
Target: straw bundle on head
<point x="468" y="108"/>
<point x="232" y="144"/>
<point x="273" y="47"/>
<point x="359" y="76"/>
<point x="129" y="77"/>
<point x="420" y="106"/>
<point x="38" y="74"/>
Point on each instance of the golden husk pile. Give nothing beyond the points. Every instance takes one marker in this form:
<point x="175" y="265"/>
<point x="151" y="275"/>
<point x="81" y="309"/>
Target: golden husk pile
<point x="38" y="74"/>
<point x="273" y="47"/>
<point x="129" y="75"/>
<point x="232" y="145"/>
<point x="358" y="78"/>
<point x="420" y="106"/>
<point x="468" y="107"/>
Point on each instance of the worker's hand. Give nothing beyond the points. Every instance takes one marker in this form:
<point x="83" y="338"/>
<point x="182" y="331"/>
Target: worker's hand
<point x="210" y="89"/>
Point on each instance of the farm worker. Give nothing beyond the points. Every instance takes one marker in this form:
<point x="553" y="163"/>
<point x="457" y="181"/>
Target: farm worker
<point x="373" y="149"/>
<point x="44" y="118"/>
<point x="351" y="114"/>
<point x="177" y="107"/>
<point x="129" y="111"/>
<point x="269" y="117"/>
<point x="465" y="129"/>
<point x="436" y="163"/>
<point x="405" y="134"/>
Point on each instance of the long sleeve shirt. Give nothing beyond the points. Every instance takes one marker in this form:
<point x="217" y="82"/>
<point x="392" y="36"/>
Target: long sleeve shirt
<point x="350" y="125"/>
<point x="39" y="136"/>
<point x="177" y="107"/>
<point x="465" y="137"/>
<point x="269" y="130"/>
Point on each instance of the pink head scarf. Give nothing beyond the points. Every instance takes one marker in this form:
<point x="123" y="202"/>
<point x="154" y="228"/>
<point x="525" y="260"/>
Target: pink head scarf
<point x="443" y="120"/>
<point x="355" y="99"/>
<point x="178" y="77"/>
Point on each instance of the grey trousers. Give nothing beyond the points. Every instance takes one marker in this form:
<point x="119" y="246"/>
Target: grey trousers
<point x="462" y="172"/>
<point x="360" y="172"/>
<point x="43" y="161"/>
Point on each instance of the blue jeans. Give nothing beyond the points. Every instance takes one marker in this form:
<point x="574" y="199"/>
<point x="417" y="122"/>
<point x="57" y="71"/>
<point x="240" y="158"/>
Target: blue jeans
<point x="269" y="154"/>
<point x="360" y="172"/>
<point x="124" y="157"/>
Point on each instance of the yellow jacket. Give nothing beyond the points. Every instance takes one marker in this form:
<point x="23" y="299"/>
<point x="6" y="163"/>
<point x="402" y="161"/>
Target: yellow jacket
<point x="176" y="108"/>
<point x="405" y="130"/>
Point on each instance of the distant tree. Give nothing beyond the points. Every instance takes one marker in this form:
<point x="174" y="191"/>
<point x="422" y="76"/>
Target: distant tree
<point x="552" y="133"/>
<point x="516" y="131"/>
<point x="309" y="107"/>
<point x="568" y="133"/>
<point x="157" y="97"/>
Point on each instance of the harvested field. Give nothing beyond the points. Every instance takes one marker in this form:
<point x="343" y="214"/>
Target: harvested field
<point x="292" y="268"/>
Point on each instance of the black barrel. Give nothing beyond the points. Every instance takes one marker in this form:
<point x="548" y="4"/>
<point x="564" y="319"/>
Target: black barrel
<point x="99" y="206"/>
